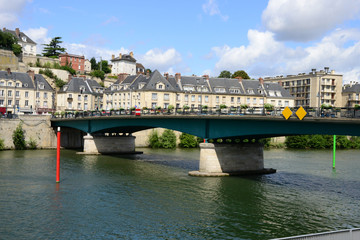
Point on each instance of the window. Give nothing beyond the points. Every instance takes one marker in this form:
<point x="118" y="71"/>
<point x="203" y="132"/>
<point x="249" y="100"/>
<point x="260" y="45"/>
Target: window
<point x="41" y="86"/>
<point x="248" y="100"/>
<point x="193" y="98"/>
<point x="166" y="97"/>
<point x="186" y="97"/>
<point x="159" y="86"/>
<point x="9" y="102"/>
<point x="2" y="83"/>
<point x="218" y="89"/>
<point x="154" y="96"/>
<point x="79" y="97"/>
<point x="17" y="84"/>
<point x="69" y="105"/>
<point x="234" y="90"/>
<point x="261" y="101"/>
<point x="17" y="102"/>
<point x="79" y="106"/>
<point x="70" y="96"/>
<point x="9" y="93"/>
<point x="177" y="97"/>
<point x="1" y="102"/>
<point x="153" y="105"/>
<point x="254" y="100"/>
<point x="2" y="93"/>
<point x="232" y="99"/>
<point x="250" y="91"/>
<point x="217" y="99"/>
<point x="238" y="100"/>
<point x="17" y="94"/>
<point x="286" y="103"/>
<point x="37" y="94"/>
<point x="45" y="95"/>
<point x="199" y="98"/>
<point x="85" y="106"/>
<point x="9" y="84"/>
<point x="45" y="104"/>
<point x="206" y="99"/>
<point x="26" y="103"/>
<point x="166" y="105"/>
<point x="279" y="102"/>
<point x="85" y="97"/>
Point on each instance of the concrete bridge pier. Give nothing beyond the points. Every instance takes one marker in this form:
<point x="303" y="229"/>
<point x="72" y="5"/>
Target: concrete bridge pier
<point x="109" y="143"/>
<point x="231" y="159"/>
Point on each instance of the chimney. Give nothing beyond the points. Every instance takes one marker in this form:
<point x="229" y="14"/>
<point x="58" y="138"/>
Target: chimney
<point x="32" y="76"/>
<point x="131" y="54"/>
<point x="166" y="75"/>
<point x="69" y="77"/>
<point x="206" y="76"/>
<point x="280" y="82"/>
<point x="122" y="77"/>
<point x="112" y="56"/>
<point x="239" y="79"/>
<point x="177" y="77"/>
<point x="326" y="70"/>
<point x="261" y="81"/>
<point x="17" y="31"/>
<point x="120" y="55"/>
<point x="8" y="71"/>
<point x="147" y="73"/>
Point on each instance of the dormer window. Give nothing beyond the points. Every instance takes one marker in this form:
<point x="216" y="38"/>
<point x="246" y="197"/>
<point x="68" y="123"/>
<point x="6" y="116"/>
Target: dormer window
<point x="234" y="90"/>
<point x="278" y="93"/>
<point x="23" y="38"/>
<point x="271" y="93"/>
<point x="160" y="86"/>
<point x="82" y="89"/>
<point x="41" y="86"/>
<point x="188" y="88"/>
<point x="141" y="85"/>
<point x="219" y="90"/>
<point x="65" y="88"/>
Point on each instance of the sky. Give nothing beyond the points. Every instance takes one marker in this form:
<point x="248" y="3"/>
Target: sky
<point x="265" y="38"/>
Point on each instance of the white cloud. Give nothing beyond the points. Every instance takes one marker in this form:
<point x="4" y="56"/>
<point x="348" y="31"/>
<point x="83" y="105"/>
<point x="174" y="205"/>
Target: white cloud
<point x="299" y="20"/>
<point x="212" y="9"/>
<point x="112" y="19"/>
<point x="264" y="56"/>
<point x="10" y="11"/>
<point x="162" y="60"/>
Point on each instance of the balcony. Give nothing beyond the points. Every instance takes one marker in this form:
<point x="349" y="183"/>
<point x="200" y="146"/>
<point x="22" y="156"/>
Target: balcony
<point x="69" y="99"/>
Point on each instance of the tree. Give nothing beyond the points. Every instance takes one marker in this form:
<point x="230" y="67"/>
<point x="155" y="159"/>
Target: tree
<point x="19" y="138"/>
<point x="94" y="65"/>
<point x="188" y="141"/>
<point x="168" y="139"/>
<point x="240" y="73"/>
<point x="9" y="42"/>
<point x="105" y="66"/>
<point x="225" y="74"/>
<point x="98" y="73"/>
<point x="53" y="49"/>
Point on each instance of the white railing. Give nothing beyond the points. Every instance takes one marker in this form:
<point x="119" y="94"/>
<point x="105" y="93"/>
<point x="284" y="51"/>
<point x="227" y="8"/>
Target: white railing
<point x="347" y="234"/>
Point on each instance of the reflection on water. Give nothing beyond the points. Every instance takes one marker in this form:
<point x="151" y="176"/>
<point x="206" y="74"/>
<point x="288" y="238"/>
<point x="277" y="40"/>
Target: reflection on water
<point x="151" y="196"/>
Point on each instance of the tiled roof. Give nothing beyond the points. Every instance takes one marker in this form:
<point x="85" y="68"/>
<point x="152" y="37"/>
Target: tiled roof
<point x="20" y="37"/>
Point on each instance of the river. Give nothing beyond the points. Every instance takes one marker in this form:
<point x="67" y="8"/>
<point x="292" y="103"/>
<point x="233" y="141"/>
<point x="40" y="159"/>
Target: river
<point x="150" y="196"/>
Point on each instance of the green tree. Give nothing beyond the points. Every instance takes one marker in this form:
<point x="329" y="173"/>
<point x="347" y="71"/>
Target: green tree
<point x="240" y="73"/>
<point x="9" y="42"/>
<point x="168" y="139"/>
<point x="154" y="141"/>
<point x="148" y="70"/>
<point x="188" y="141"/>
<point x="53" y="49"/>
<point x="2" y="145"/>
<point x="105" y="66"/>
<point x="98" y="73"/>
<point x="19" y="138"/>
<point x="94" y="65"/>
<point x="225" y="74"/>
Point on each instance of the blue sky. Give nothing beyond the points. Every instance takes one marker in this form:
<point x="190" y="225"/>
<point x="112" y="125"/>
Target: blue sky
<point x="264" y="38"/>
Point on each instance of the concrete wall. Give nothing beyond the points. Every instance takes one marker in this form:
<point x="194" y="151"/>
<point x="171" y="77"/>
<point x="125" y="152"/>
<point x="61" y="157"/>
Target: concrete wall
<point x="8" y="60"/>
<point x="109" y="144"/>
<point x="62" y="74"/>
<point x="33" y="59"/>
<point x="142" y="137"/>
<point x="37" y="127"/>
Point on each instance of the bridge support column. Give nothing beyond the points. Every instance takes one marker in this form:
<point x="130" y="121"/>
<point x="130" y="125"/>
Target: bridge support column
<point x="231" y="159"/>
<point x="108" y="144"/>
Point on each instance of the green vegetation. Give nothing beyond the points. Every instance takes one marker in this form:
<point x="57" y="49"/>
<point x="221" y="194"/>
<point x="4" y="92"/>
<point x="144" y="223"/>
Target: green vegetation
<point x="225" y="74"/>
<point x="53" y="49"/>
<point x="188" y="141"/>
<point x="240" y="73"/>
<point x="47" y="72"/>
<point x="2" y="145"/>
<point x="321" y="142"/>
<point x="19" y="138"/>
<point x="32" y="145"/>
<point x="9" y="42"/>
<point x="269" y="106"/>
<point x="166" y="140"/>
<point x="98" y="73"/>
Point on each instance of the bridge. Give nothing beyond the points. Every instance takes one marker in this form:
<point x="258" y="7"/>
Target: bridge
<point x="114" y="134"/>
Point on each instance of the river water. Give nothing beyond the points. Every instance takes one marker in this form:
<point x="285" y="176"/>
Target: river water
<point x="150" y="196"/>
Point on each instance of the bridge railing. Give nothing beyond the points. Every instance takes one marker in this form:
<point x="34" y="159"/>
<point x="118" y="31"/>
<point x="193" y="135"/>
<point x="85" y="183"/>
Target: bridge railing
<point x="260" y="111"/>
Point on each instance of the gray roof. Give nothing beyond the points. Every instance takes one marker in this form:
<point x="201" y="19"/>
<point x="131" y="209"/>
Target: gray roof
<point x="352" y="89"/>
<point x="23" y="77"/>
<point x="124" y="57"/>
<point x="79" y="85"/>
<point x="276" y="87"/>
<point x="21" y="35"/>
<point x="40" y="79"/>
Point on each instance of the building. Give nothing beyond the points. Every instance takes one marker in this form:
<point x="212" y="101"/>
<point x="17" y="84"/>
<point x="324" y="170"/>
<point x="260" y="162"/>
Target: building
<point x="306" y="88"/>
<point x="80" y="95"/>
<point x="25" y="93"/>
<point x="124" y="63"/>
<point x="28" y="45"/>
<point x="350" y="95"/>
<point x="87" y="66"/>
<point x="154" y="90"/>
<point x="77" y="62"/>
<point x="140" y="69"/>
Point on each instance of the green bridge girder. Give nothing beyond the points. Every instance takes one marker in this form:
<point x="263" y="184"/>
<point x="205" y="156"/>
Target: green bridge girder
<point x="211" y="127"/>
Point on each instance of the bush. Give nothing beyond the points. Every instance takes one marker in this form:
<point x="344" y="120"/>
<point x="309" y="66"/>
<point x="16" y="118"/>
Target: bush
<point x="59" y="83"/>
<point x="265" y="142"/>
<point x="269" y="106"/>
<point x="69" y="69"/>
<point x="223" y="106"/>
<point x="188" y="141"/>
<point x="32" y="144"/>
<point x="98" y="73"/>
<point x="168" y="139"/>
<point x="2" y="145"/>
<point x="19" y="138"/>
<point x="154" y="141"/>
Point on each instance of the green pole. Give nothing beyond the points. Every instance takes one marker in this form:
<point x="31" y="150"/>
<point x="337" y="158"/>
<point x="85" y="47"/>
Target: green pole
<point x="334" y="151"/>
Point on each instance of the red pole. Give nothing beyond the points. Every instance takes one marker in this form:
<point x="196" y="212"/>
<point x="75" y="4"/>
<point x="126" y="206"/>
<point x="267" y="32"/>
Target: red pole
<point x="58" y="157"/>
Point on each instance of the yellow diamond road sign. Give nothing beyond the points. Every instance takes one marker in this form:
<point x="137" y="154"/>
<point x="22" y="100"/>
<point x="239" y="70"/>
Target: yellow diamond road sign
<point x="287" y="113"/>
<point x="301" y="113"/>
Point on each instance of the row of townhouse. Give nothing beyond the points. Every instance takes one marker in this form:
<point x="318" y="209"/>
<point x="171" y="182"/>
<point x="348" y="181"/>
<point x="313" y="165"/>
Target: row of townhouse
<point x="25" y="93"/>
<point x="155" y="90"/>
